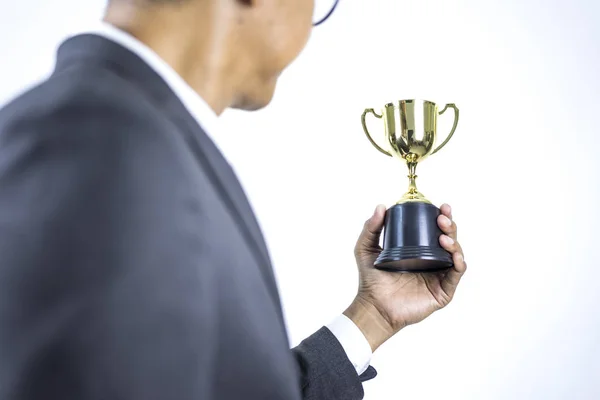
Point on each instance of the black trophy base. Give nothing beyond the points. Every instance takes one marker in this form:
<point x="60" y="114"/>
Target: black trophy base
<point x="411" y="240"/>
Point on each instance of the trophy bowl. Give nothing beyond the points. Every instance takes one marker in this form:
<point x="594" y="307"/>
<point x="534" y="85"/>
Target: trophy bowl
<point x="411" y="233"/>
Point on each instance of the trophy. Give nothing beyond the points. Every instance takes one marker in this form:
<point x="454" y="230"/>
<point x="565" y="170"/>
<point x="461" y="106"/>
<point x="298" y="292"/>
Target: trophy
<point x="411" y="232"/>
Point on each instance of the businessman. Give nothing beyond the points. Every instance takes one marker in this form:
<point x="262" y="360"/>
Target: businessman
<point x="132" y="264"/>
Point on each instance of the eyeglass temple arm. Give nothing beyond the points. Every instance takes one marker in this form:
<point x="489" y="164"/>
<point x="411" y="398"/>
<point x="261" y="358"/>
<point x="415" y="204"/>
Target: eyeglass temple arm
<point x="328" y="14"/>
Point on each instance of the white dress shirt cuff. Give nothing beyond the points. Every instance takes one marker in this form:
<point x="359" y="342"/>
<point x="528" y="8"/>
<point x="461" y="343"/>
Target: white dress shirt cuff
<point x="353" y="341"/>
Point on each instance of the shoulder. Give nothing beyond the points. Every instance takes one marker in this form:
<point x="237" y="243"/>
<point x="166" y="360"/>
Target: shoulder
<point x="90" y="117"/>
<point x="77" y="136"/>
<point x="89" y="104"/>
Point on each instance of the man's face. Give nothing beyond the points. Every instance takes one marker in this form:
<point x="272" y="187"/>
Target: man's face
<point x="272" y="34"/>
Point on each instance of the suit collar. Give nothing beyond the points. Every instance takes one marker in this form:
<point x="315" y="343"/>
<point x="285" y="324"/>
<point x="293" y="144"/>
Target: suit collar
<point x="92" y="50"/>
<point x="192" y="101"/>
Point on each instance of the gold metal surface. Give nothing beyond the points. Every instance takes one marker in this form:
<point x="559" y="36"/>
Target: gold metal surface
<point x="410" y="136"/>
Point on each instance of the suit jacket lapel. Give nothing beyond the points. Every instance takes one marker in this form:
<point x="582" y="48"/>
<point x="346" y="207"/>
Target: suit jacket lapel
<point x="99" y="51"/>
<point x="227" y="183"/>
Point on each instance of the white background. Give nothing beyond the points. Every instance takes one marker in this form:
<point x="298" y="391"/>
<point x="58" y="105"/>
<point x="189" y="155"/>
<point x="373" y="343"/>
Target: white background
<point x="522" y="174"/>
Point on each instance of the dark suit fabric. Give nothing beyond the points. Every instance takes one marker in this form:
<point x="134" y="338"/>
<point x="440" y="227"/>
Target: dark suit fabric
<point x="132" y="265"/>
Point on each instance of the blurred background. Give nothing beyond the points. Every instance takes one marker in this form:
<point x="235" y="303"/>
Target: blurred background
<point x="522" y="174"/>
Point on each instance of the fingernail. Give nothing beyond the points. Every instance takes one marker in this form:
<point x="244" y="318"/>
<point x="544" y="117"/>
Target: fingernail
<point x="449" y="209"/>
<point x="460" y="258"/>
<point x="446" y="221"/>
<point x="449" y="240"/>
<point x="375" y="212"/>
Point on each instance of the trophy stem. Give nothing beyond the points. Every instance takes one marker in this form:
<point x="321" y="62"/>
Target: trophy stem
<point x="412" y="176"/>
<point x="413" y="194"/>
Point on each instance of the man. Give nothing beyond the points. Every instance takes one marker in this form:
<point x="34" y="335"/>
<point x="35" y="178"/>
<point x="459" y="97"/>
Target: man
<point x="132" y="265"/>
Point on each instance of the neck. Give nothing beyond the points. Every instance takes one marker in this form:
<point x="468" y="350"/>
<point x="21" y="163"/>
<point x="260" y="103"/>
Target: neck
<point x="194" y="47"/>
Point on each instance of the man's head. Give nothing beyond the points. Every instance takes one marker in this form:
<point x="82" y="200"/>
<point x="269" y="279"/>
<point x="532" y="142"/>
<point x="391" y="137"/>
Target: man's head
<point x="230" y="51"/>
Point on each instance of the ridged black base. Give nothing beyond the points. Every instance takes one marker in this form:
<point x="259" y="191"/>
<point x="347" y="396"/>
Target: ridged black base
<point x="414" y="259"/>
<point x="411" y="240"/>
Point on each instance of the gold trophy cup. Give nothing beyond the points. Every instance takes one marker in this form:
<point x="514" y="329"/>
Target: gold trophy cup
<point x="411" y="233"/>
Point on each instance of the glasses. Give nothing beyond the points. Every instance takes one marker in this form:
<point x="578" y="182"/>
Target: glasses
<point x="320" y="8"/>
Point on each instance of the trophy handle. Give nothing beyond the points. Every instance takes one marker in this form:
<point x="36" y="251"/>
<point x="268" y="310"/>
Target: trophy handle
<point x="451" y="105"/>
<point x="364" y="124"/>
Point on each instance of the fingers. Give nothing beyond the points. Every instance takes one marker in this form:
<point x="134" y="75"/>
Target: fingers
<point x="445" y="222"/>
<point x="369" y="237"/>
<point x="452" y="278"/>
<point x="446" y="210"/>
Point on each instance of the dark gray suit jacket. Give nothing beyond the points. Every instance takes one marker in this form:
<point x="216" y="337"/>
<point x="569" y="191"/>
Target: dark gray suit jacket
<point x="132" y="267"/>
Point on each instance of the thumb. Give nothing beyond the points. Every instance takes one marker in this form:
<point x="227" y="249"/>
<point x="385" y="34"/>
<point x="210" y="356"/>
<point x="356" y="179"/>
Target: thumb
<point x="369" y="237"/>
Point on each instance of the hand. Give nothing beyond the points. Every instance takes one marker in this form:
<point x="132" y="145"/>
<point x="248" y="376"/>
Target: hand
<point x="389" y="301"/>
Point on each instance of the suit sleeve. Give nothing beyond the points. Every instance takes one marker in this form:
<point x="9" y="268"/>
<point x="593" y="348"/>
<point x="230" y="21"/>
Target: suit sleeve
<point x="325" y="370"/>
<point x="90" y="304"/>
